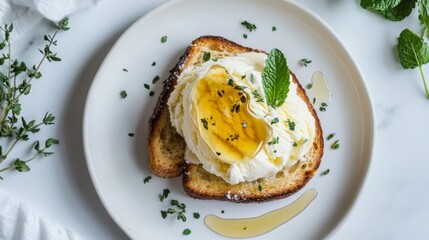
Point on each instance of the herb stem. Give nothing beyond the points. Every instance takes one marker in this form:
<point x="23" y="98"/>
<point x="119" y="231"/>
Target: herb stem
<point x="424" y="81"/>
<point x="26" y="161"/>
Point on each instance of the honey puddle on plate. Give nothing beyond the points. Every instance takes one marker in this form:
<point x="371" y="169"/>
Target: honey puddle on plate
<point x="251" y="227"/>
<point x="320" y="89"/>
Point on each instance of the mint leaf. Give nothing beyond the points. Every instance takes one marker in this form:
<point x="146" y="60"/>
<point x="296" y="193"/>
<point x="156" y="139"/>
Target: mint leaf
<point x="379" y="5"/>
<point x="401" y="11"/>
<point x="394" y="10"/>
<point x="275" y="78"/>
<point x="424" y="12"/>
<point x="413" y="52"/>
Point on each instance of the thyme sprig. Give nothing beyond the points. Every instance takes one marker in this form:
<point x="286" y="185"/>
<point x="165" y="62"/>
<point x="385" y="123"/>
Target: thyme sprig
<point x="15" y="81"/>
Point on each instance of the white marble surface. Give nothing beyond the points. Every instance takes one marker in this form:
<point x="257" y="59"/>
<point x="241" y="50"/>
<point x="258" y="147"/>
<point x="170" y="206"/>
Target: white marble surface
<point x="393" y="203"/>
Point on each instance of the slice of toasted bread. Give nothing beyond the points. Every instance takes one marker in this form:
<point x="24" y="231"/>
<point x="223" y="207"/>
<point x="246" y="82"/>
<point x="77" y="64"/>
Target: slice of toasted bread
<point x="167" y="147"/>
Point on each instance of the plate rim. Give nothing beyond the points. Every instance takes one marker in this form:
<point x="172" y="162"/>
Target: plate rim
<point x="372" y="114"/>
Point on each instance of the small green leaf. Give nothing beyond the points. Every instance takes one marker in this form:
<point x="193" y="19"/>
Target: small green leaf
<point x="249" y="26"/>
<point x="155" y="79"/>
<point x="275" y="78"/>
<point x="163" y="39"/>
<point x="413" y="52"/>
<point x="206" y="56"/>
<point x="424" y="12"/>
<point x="51" y="141"/>
<point x="379" y="5"/>
<point x="123" y="94"/>
<point x="21" y="166"/>
<point x="63" y="24"/>
<point x="196" y="215"/>
<point x="1" y="178"/>
<point x="37" y="145"/>
<point x="186" y="232"/>
<point x="401" y="11"/>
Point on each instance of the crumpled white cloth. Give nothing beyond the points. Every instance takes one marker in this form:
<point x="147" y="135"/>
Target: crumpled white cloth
<point x="24" y="14"/>
<point x="20" y="222"/>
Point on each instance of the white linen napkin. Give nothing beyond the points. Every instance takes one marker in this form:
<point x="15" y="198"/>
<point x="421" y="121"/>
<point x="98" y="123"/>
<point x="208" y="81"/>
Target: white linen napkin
<point x="24" y="14"/>
<point x="20" y="222"/>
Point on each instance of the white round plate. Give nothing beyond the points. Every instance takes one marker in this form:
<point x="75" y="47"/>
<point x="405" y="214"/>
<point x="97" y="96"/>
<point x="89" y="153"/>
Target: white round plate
<point x="117" y="162"/>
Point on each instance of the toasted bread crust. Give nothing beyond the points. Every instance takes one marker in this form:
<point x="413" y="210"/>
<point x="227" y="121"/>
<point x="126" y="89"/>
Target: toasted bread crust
<point x="197" y="182"/>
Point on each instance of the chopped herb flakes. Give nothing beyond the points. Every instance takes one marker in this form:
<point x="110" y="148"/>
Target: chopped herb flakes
<point x="322" y="109"/>
<point x="295" y="144"/>
<point x="223" y="211"/>
<point x="245" y="36"/>
<point x="323" y="104"/>
<point x="151" y="93"/>
<point x="336" y="145"/>
<point x="124" y="69"/>
<point x="196" y="215"/>
<point x="291" y="125"/>
<point x="275" y="120"/>
<point x="330" y="136"/>
<point x="164" y="194"/>
<point x="274" y="141"/>
<point x="305" y="62"/>
<point x="131" y="134"/>
<point x="206" y="56"/>
<point x="147" y="179"/>
<point x="205" y="123"/>
<point x="260" y="187"/>
<point x="186" y="232"/>
<point x="153" y="64"/>
<point x="146" y="86"/>
<point x="274" y="28"/>
<point x="155" y="79"/>
<point x="326" y="172"/>
<point x="257" y="96"/>
<point x="314" y="100"/>
<point x="249" y="25"/>
<point x="218" y="153"/>
<point x="231" y="82"/>
<point x="309" y="86"/>
<point x="252" y="78"/>
<point x="123" y="94"/>
<point x="244" y="228"/>
<point x="163" y="39"/>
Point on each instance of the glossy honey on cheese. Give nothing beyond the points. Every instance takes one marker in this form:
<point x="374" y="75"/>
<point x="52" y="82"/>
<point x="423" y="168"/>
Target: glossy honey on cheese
<point x="219" y="108"/>
<point x="228" y="127"/>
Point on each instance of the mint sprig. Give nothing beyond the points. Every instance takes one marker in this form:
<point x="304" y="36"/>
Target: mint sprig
<point x="413" y="52"/>
<point x="275" y="78"/>
<point x="394" y="10"/>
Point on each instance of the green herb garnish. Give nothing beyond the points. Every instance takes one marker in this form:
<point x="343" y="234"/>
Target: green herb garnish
<point x="186" y="232"/>
<point x="123" y="94"/>
<point x="131" y="134"/>
<point x="413" y="52"/>
<point x="249" y="26"/>
<point x="205" y="123"/>
<point x="274" y="141"/>
<point x="147" y="179"/>
<point x="305" y="62"/>
<point x="260" y="187"/>
<point x="206" y="56"/>
<point x="252" y="78"/>
<point x="336" y="144"/>
<point x="146" y="86"/>
<point x="151" y="93"/>
<point x="223" y="211"/>
<point x="257" y="96"/>
<point x="295" y="144"/>
<point x="153" y="64"/>
<point x="291" y="125"/>
<point x="164" y="194"/>
<point x="275" y="78"/>
<point x="330" y="136"/>
<point x="314" y="100"/>
<point x="163" y="39"/>
<point x="155" y="79"/>
<point x="322" y="109"/>
<point x="16" y="80"/>
<point x="274" y="29"/>
<point x="394" y="10"/>
<point x="245" y="36"/>
<point x="275" y="120"/>
<point x="326" y="172"/>
<point x="196" y="215"/>
<point x="125" y="70"/>
<point x="218" y="153"/>
<point x="309" y="86"/>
